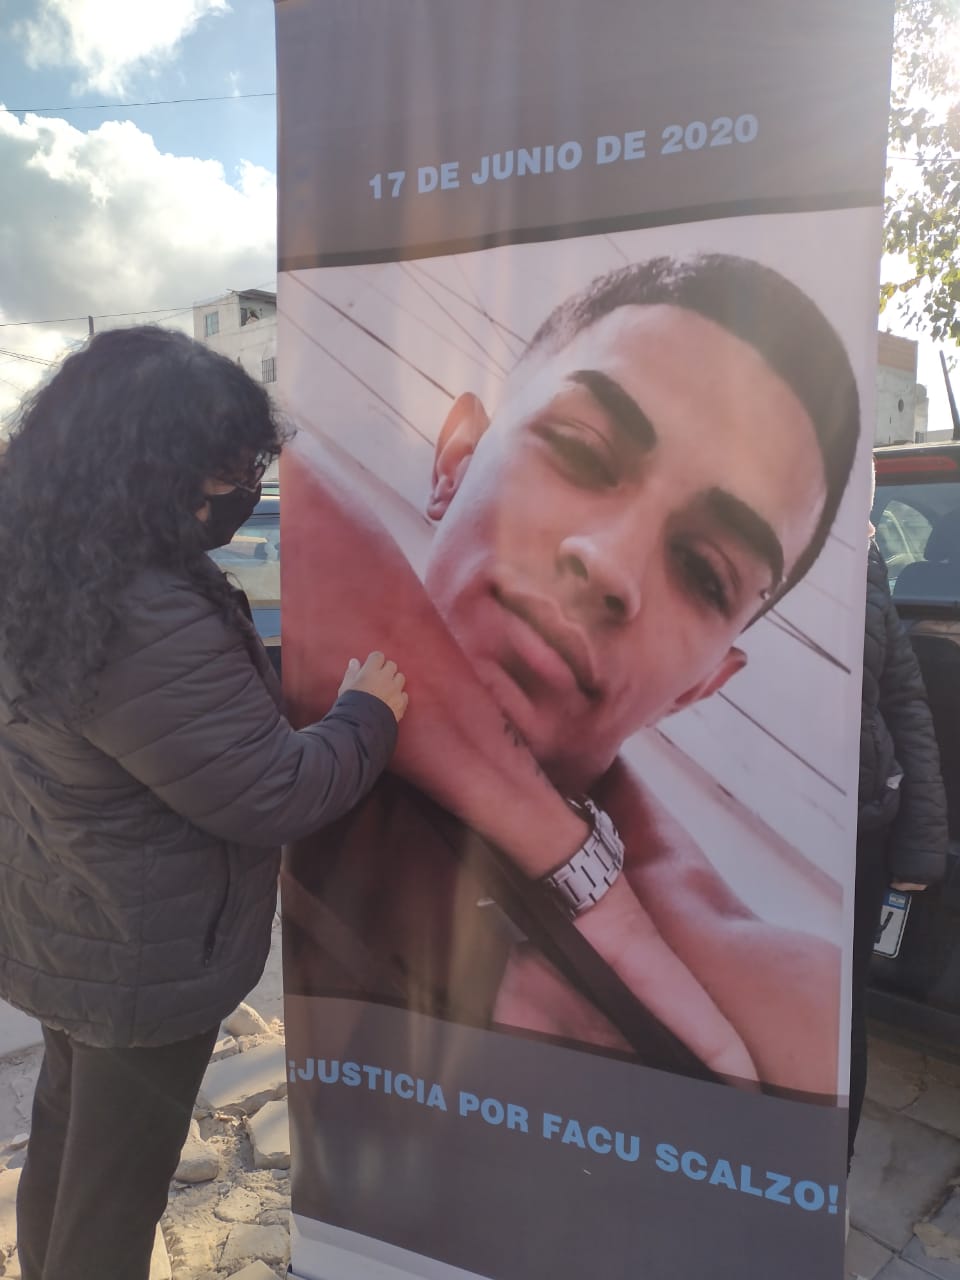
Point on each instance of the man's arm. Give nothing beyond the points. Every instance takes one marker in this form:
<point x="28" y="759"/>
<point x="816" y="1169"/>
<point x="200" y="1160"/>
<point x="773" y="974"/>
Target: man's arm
<point x="348" y="587"/>
<point x="780" y="988"/>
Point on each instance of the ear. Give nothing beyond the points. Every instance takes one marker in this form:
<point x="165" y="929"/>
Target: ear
<point x="734" y="660"/>
<point x="461" y="432"/>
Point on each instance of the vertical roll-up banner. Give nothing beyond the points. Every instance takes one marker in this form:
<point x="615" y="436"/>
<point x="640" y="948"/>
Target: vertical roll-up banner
<point x="578" y="306"/>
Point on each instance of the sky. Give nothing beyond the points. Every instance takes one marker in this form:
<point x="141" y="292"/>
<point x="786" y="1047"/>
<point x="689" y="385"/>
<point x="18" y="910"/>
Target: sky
<point x="110" y="209"/>
<point x="115" y="210"/>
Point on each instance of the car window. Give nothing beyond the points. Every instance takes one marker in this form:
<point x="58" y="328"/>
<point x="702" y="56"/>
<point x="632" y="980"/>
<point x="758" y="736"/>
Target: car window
<point x="902" y="534"/>
<point x="252" y="559"/>
<point x="918" y="532"/>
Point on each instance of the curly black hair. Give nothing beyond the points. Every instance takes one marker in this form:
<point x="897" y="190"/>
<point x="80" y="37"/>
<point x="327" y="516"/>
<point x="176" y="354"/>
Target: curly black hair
<point x="102" y="477"/>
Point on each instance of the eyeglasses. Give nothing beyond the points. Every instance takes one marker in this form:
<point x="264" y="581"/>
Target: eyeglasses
<point x="251" y="480"/>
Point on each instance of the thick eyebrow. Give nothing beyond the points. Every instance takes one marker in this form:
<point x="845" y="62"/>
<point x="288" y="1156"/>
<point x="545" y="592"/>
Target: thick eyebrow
<point x="740" y="521"/>
<point x="731" y="514"/>
<point x="621" y="408"/>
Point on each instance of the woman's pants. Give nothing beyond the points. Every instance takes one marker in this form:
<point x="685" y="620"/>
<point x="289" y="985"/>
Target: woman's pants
<point x="872" y="881"/>
<point x="105" y="1140"/>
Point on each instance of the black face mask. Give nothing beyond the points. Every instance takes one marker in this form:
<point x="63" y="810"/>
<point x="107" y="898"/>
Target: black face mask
<point x="228" y="511"/>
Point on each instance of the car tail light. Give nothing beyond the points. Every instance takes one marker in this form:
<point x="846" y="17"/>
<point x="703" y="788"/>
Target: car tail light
<point x="915" y="466"/>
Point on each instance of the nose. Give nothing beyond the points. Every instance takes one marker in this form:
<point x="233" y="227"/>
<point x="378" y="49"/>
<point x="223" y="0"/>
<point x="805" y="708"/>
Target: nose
<point x="603" y="572"/>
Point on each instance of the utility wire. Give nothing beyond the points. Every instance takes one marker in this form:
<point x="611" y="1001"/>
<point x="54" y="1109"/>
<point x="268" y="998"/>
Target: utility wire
<point x="107" y="315"/>
<point x="17" y="355"/>
<point x="171" y="312"/>
<point x="150" y="102"/>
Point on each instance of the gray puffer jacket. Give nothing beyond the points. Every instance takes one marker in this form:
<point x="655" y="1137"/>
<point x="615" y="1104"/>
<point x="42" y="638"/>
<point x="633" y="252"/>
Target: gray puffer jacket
<point x="138" y="843"/>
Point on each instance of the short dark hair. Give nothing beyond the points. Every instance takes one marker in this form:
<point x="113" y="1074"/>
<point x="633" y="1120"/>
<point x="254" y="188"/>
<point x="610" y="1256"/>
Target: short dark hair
<point x="764" y="309"/>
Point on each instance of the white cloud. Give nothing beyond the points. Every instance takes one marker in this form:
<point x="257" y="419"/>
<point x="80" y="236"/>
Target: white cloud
<point x="104" y="222"/>
<point x="108" y="40"/>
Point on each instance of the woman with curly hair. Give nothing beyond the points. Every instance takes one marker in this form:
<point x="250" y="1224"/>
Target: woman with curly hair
<point x="147" y="774"/>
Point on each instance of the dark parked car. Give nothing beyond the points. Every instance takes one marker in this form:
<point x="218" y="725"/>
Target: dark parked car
<point x="253" y="561"/>
<point x="917" y="517"/>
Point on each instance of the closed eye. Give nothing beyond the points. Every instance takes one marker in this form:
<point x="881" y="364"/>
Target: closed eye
<point x="582" y="453"/>
<point x="701" y="579"/>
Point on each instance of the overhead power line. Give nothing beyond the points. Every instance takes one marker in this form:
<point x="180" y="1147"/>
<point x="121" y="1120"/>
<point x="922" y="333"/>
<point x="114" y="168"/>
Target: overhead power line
<point x="19" y="355"/>
<point x="149" y="102"/>
<point x="171" y="312"/>
<point x="106" y="315"/>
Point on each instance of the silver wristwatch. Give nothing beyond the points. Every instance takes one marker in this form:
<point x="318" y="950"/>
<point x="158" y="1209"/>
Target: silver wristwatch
<point x="582" y="881"/>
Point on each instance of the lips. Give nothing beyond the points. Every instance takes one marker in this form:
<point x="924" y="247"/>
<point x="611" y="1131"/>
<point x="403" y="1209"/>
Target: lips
<point x="565" y="640"/>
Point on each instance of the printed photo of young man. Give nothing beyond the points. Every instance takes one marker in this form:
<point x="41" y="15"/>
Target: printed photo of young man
<point x="665" y="463"/>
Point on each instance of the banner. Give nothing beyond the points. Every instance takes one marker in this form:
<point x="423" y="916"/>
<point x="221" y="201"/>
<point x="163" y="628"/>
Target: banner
<point x="577" y="309"/>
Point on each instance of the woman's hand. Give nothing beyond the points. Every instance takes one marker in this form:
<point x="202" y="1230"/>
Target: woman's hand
<point x="381" y="678"/>
<point x="455" y="745"/>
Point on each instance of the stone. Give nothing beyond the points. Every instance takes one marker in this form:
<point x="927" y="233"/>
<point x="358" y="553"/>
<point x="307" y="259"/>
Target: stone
<point x="17" y="1143"/>
<point x="190" y="1246"/>
<point x="936" y="1244"/>
<point x="939" y="1107"/>
<point x="245" y="1021"/>
<point x="948" y="1218"/>
<point x="250" y="1243"/>
<point x="946" y="1072"/>
<point x="267" y="995"/>
<point x="889" y="1086"/>
<point x="275" y="1198"/>
<point x="899" y="1269"/>
<point x="246" y="1081"/>
<point x="225" y="1047"/>
<point x="23" y="1086"/>
<point x="269" y="1133"/>
<point x="239" y="1206"/>
<point x="902" y="1057"/>
<point x="899" y="1171"/>
<point x="18" y="1031"/>
<point x="864" y="1257"/>
<point x="199" y="1160"/>
<point x="256" y="1271"/>
<point x="9" y="1181"/>
<point x="159" y="1259"/>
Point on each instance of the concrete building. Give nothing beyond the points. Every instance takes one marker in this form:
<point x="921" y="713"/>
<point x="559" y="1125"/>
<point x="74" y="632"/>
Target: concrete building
<point x="898" y="396"/>
<point x="243" y="326"/>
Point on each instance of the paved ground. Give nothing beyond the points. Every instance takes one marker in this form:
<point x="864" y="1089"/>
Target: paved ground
<point x="232" y="1221"/>
<point x="903" y="1193"/>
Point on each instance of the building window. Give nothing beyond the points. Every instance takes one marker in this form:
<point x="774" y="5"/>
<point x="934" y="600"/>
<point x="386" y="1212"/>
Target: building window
<point x="211" y="324"/>
<point x="268" y="369"/>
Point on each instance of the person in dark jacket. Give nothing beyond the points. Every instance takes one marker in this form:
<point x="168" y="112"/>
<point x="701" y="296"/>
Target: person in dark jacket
<point x="147" y="773"/>
<point x="902" y="818"/>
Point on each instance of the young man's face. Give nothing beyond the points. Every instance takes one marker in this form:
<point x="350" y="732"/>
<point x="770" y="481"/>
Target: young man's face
<point x="607" y="536"/>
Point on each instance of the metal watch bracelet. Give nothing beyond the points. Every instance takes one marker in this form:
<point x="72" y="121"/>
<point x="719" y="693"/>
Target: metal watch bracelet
<point x="583" y="879"/>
